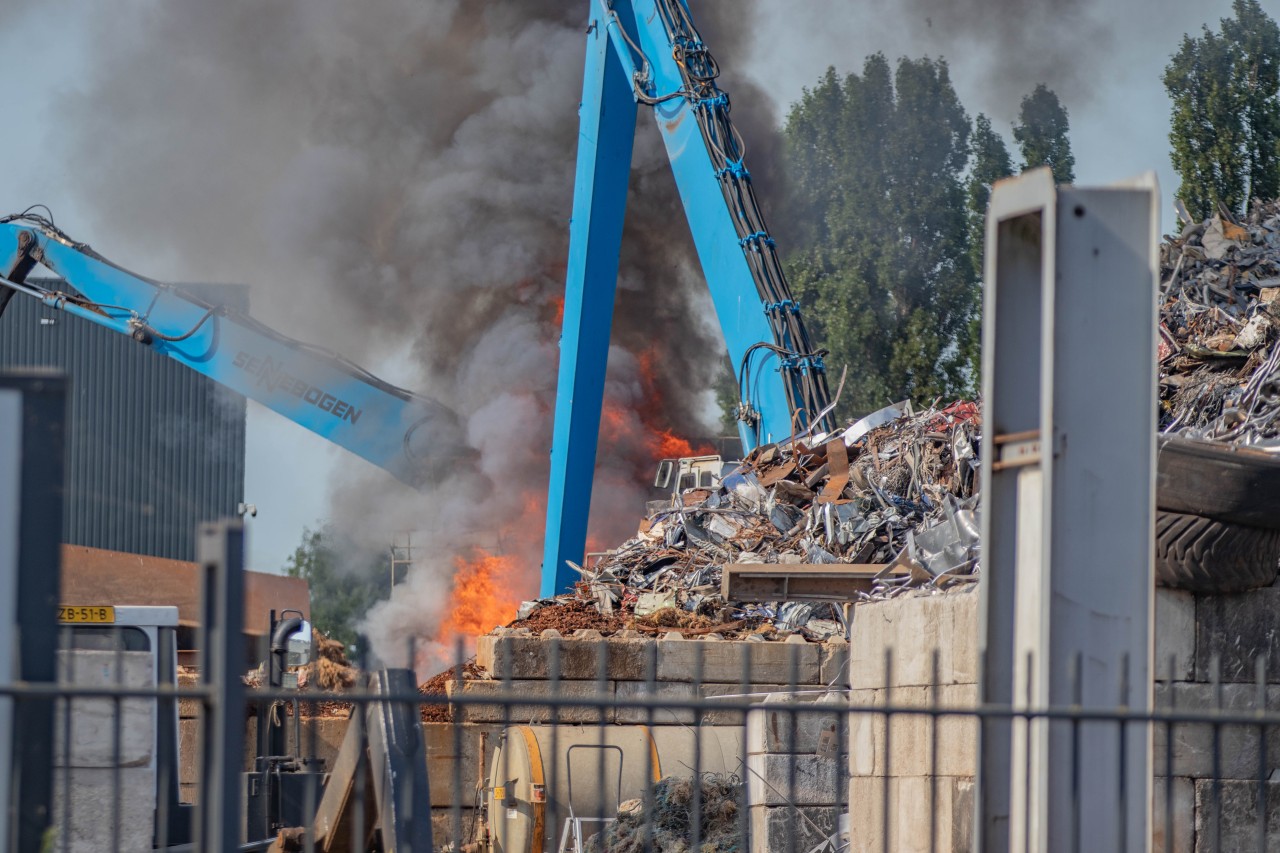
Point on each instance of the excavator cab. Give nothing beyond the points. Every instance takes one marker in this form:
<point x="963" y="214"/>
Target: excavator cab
<point x="689" y="472"/>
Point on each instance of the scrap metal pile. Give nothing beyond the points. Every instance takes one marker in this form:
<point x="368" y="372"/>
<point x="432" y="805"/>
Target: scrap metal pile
<point x="897" y="487"/>
<point x="1219" y="324"/>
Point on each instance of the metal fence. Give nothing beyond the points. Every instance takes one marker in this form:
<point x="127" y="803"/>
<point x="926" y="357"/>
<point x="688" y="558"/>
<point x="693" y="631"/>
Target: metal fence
<point x="573" y="761"/>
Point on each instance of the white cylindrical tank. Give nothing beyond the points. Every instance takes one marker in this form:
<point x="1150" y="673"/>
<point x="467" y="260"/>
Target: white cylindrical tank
<point x="542" y="777"/>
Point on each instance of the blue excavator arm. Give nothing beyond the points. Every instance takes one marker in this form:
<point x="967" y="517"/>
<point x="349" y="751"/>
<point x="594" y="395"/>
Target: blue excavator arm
<point x="335" y="398"/>
<point x="648" y="54"/>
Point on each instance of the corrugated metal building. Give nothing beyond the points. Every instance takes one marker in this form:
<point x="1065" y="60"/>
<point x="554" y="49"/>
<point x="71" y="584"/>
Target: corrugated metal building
<point x="153" y="447"/>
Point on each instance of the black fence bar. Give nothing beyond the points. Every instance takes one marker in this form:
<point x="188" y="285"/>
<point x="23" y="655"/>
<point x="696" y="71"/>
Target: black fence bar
<point x="41" y="478"/>
<point x="777" y="790"/>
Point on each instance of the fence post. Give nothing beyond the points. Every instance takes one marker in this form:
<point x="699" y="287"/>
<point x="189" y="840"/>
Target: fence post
<point x="221" y="555"/>
<point x="33" y="424"/>
<point x="1068" y="485"/>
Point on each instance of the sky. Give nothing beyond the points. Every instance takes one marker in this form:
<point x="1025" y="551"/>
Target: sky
<point x="1103" y="59"/>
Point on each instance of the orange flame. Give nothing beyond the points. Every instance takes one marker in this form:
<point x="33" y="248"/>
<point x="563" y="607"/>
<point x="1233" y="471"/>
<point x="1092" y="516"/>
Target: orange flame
<point x="488" y="586"/>
<point x="483" y="596"/>
<point x="662" y="442"/>
<point x="667" y="445"/>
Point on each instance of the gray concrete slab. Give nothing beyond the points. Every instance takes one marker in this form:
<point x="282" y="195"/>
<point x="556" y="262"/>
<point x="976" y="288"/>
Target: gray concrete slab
<point x="1238" y="629"/>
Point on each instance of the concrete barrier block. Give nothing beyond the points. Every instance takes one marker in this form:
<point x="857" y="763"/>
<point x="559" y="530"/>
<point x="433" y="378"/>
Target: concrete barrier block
<point x="959" y="656"/>
<point x="321" y="737"/>
<point x="105" y="733"/>
<point x="775" y="829"/>
<point x="631" y="691"/>
<point x="811" y="725"/>
<point x="109" y="808"/>
<point x="866" y="743"/>
<point x="722" y="662"/>
<point x="833" y="663"/>
<point x="866" y="643"/>
<point x="1175" y="635"/>
<point x="925" y="814"/>
<point x="540" y="709"/>
<point x="916" y="744"/>
<point x="894" y="642"/>
<point x="1226" y="818"/>
<point x="1193" y="743"/>
<point x="1238" y="628"/>
<point x="802" y="780"/>
<point x="579" y="659"/>
<point x="1172" y="798"/>
<point x="732" y="693"/>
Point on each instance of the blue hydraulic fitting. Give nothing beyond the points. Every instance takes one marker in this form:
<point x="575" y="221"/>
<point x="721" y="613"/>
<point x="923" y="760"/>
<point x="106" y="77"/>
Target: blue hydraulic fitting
<point x="754" y="240"/>
<point x="736" y="168"/>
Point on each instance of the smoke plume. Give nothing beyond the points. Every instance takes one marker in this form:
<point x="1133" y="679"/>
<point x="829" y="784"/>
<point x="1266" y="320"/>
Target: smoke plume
<point x="397" y="175"/>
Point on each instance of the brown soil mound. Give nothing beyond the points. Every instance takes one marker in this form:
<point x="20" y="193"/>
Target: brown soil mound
<point x="437" y="685"/>
<point x="572" y="616"/>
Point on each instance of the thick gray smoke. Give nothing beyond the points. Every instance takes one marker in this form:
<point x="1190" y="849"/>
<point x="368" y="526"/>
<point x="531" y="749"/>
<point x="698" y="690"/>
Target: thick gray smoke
<point x="1018" y="43"/>
<point x="397" y="175"/>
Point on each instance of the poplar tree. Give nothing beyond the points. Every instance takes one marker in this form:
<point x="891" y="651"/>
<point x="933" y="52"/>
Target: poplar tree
<point x="879" y="229"/>
<point x="991" y="162"/>
<point x="1225" y="130"/>
<point x="1042" y="134"/>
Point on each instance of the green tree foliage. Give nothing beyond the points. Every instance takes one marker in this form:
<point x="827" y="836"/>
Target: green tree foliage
<point x="1042" y="135"/>
<point x="990" y="163"/>
<point x="1225" y="132"/>
<point x="344" y="581"/>
<point x="878" y="220"/>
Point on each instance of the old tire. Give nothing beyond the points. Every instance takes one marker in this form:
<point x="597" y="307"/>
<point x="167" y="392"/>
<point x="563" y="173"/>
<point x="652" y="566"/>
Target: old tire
<point x="1205" y="555"/>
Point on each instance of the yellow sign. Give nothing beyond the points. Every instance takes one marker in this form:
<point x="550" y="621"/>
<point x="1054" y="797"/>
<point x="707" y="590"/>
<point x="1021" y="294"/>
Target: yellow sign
<point x="85" y="615"/>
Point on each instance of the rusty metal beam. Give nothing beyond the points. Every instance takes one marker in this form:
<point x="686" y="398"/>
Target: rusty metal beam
<point x="801" y="581"/>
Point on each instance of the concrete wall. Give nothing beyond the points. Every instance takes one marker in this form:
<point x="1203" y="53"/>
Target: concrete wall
<point x="913" y="651"/>
<point x="1195" y="636"/>
<point x="637" y="665"/>
<point x="926" y="769"/>
<point x="795" y="760"/>
<point x="923" y="768"/>
<point x="104" y="779"/>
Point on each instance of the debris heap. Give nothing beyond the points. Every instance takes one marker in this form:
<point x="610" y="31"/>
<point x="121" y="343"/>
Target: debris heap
<point x="670" y="823"/>
<point x="897" y="487"/>
<point x="1219" y="322"/>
